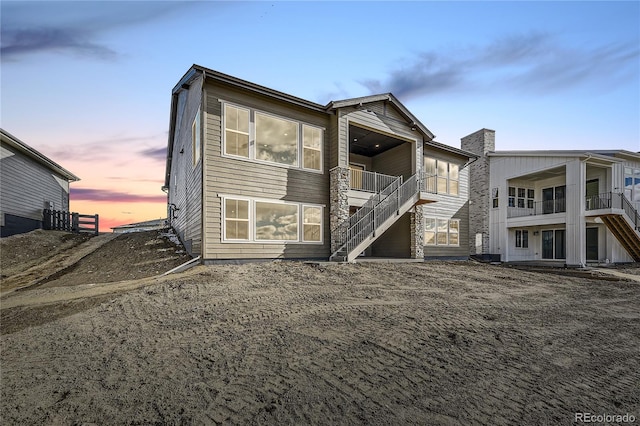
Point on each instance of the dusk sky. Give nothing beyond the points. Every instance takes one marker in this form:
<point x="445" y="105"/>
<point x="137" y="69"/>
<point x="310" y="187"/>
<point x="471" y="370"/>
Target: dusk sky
<point x="89" y="83"/>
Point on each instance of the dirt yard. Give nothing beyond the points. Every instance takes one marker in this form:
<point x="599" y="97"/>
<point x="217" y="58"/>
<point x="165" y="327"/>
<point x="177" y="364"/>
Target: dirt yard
<point x="437" y="343"/>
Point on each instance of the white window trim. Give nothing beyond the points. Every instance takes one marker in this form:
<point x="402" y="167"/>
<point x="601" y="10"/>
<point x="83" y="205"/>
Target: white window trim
<point x="435" y="231"/>
<point x="223" y="236"/>
<point x="515" y="241"/>
<point x="252" y="228"/>
<point x="436" y="176"/>
<point x="224" y="132"/>
<point x="252" y="139"/>
<point x="302" y="240"/>
<point x="196" y="125"/>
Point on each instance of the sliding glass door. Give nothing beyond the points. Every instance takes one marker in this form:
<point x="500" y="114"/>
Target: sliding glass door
<point x="554" y="244"/>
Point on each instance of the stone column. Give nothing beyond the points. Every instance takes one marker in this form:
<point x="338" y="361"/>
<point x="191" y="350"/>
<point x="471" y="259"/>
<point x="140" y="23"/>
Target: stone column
<point x="479" y="143"/>
<point x="417" y="233"/>
<point x="339" y="181"/>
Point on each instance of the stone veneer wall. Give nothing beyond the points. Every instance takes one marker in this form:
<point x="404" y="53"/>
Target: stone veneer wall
<point x="417" y="233"/>
<point x="339" y="180"/>
<point x="479" y="143"/>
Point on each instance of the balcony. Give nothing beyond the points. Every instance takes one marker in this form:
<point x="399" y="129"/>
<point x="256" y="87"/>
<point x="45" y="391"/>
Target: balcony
<point x="558" y="205"/>
<point x="361" y="180"/>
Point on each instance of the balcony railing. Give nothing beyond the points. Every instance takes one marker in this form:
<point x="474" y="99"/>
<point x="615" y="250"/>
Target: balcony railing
<point x="608" y="200"/>
<point x="558" y="205"/>
<point x="362" y="180"/>
<point x="600" y="201"/>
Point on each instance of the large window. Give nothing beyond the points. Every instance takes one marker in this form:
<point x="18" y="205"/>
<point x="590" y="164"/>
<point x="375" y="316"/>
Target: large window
<point x="442" y="232"/>
<point x="441" y="177"/>
<point x="247" y="220"/>
<point x="276" y="221"/>
<point x="268" y="138"/>
<point x="632" y="183"/>
<point x="276" y="140"/>
<point x="236" y="121"/>
<point x="521" y="197"/>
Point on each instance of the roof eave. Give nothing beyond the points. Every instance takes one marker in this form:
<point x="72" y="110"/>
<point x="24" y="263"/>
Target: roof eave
<point x="37" y="156"/>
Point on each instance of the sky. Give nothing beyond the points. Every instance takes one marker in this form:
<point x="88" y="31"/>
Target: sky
<point x="89" y="83"/>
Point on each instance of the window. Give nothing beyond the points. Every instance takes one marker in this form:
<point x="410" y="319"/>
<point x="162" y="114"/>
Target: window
<point x="442" y="232"/>
<point x="265" y="221"/>
<point x="521" y="197"/>
<point x="522" y="238"/>
<point x="441" y="177"/>
<point x="236" y="224"/>
<point x="276" y="221"/>
<point x="195" y="138"/>
<point x="311" y="223"/>
<point x="553" y="200"/>
<point x="312" y="147"/>
<point x="265" y="137"/>
<point x="632" y="183"/>
<point x="494" y="196"/>
<point x="236" y="135"/>
<point x="276" y="140"/>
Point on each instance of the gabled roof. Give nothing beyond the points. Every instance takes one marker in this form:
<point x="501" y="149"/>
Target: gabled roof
<point x="36" y="156"/>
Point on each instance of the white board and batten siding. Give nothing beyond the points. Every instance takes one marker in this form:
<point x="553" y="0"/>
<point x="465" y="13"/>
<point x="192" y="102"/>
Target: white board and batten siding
<point x="186" y="178"/>
<point x="229" y="176"/>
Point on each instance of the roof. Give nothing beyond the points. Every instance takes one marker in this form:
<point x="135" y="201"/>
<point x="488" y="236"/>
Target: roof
<point x="36" y="156"/>
<point x="604" y="157"/>
<point x="197" y="70"/>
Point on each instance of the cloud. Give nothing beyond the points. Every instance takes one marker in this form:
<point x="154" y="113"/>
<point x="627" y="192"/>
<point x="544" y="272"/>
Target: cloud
<point x="106" y="195"/>
<point x="74" y="27"/>
<point x="24" y="41"/>
<point x="529" y="63"/>
<point x="159" y="154"/>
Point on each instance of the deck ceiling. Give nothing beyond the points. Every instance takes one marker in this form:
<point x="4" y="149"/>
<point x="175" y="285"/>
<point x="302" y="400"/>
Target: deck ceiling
<point x="544" y="174"/>
<point x="369" y="143"/>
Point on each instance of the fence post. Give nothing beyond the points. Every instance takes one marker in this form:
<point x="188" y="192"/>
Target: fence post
<point x="96" y="224"/>
<point x="74" y="222"/>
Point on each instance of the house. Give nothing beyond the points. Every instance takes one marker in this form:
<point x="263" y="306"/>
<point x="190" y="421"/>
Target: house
<point x="148" y="225"/>
<point x="558" y="207"/>
<point x="31" y="182"/>
<point x="254" y="173"/>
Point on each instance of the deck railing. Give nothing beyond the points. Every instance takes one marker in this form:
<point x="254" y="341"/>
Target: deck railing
<point x="363" y="180"/>
<point x="539" y="207"/>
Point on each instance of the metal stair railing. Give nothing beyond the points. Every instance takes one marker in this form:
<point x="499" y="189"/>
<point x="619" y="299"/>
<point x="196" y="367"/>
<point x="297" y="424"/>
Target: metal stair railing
<point x="615" y="200"/>
<point x="376" y="211"/>
<point x="630" y="211"/>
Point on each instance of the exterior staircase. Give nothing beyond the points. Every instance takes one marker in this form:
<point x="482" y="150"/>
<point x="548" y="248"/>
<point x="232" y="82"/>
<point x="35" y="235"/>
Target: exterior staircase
<point x="377" y="215"/>
<point x="626" y="226"/>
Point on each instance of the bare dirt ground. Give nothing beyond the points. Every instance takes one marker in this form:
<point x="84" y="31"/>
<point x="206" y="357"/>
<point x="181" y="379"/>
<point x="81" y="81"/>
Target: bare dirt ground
<point x="302" y="343"/>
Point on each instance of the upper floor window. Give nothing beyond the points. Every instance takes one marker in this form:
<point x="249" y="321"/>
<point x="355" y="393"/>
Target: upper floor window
<point x="264" y="137"/>
<point x="236" y="131"/>
<point x="441" y="177"/>
<point x="521" y="197"/>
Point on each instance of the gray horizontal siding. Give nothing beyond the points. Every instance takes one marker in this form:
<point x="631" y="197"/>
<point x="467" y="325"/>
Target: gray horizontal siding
<point x="186" y="180"/>
<point x="246" y="178"/>
<point x="25" y="186"/>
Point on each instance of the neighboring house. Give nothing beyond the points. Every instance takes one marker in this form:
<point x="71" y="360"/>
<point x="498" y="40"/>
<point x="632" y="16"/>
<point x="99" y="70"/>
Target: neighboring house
<point x="560" y="207"/>
<point x="30" y="182"/>
<point x="253" y="173"/>
<point x="149" y="225"/>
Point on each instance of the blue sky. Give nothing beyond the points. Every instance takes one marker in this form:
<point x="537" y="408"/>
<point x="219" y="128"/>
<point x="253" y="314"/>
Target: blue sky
<point x="89" y="83"/>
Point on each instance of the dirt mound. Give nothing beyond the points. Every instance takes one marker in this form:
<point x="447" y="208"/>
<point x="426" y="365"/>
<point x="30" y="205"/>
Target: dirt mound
<point x="127" y="257"/>
<point x="21" y="252"/>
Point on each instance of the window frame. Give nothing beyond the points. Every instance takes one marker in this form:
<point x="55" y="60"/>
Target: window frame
<point x="435" y="232"/>
<point x="252" y="146"/>
<point x="224" y="131"/>
<point x="522" y="239"/>
<point x="434" y="178"/>
<point x="252" y="239"/>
